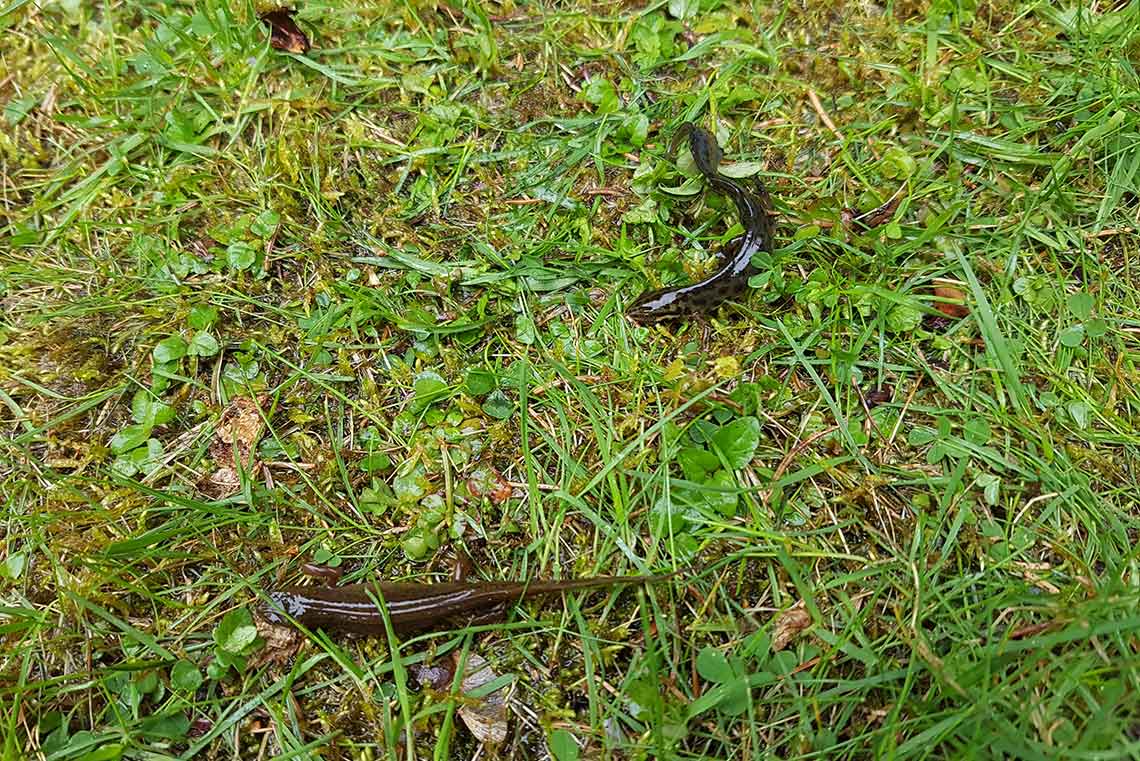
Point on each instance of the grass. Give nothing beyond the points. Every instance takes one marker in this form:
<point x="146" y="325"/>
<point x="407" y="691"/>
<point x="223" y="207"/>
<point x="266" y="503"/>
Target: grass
<point x="364" y="306"/>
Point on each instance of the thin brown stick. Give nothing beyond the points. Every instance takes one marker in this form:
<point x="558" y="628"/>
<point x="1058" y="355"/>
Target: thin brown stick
<point x="823" y="117"/>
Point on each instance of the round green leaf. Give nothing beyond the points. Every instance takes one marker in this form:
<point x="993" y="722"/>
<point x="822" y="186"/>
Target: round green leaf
<point x="903" y="318"/>
<point x="416" y="546"/>
<point x="1080" y="413"/>
<point x="1073" y="335"/>
<point x="241" y="255"/>
<point x="170" y="349"/>
<point x="897" y="163"/>
<point x="202" y="345"/>
<point x="201" y="316"/>
<point x="1096" y="328"/>
<point x="235" y="632"/>
<point x="150" y="410"/>
<point x="976" y="431"/>
<point x="171" y="726"/>
<point x="713" y="666"/>
<point x="601" y="93"/>
<point x="480" y="381"/>
<point x="13" y="566"/>
<point x="525" y="331"/>
<point x="185" y="676"/>
<point x="1081" y="305"/>
<point x="265" y="223"/>
<point x="735" y="700"/>
<point x="130" y="437"/>
<point x="666" y="516"/>
<point x="498" y="405"/>
<point x="429" y="386"/>
<point x="737" y="441"/>
<point x="719" y="498"/>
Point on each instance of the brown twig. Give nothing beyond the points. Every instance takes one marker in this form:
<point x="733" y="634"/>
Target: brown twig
<point x="823" y="117"/>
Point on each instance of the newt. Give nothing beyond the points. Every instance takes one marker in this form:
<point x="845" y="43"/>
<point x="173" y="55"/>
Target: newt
<point x="732" y="277"/>
<point x="416" y="607"/>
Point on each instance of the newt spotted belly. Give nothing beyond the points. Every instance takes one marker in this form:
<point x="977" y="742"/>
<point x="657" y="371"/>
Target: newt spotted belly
<point x="418" y="607"/>
<point x="732" y="278"/>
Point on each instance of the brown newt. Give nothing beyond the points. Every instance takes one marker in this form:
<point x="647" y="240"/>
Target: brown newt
<point x="732" y="277"/>
<point x="416" y="607"/>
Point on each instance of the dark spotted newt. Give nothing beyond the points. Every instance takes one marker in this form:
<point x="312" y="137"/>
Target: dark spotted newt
<point x="732" y="278"/>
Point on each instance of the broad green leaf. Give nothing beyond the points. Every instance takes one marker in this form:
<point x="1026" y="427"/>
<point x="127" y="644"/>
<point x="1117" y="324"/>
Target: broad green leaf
<point x="683" y="9"/>
<point x="562" y="746"/>
<point x="1080" y="413"/>
<point x="375" y="461"/>
<point x="697" y="462"/>
<point x="172" y="726"/>
<point x="719" y="498"/>
<point x="713" y="666"/>
<point x="1081" y="305"/>
<point x="185" y="676"/>
<point x="636" y="128"/>
<point x="601" y="92"/>
<point x="265" y="224"/>
<point x="525" y="330"/>
<point x="13" y="566"/>
<point x="170" y="349"/>
<point x="737" y="441"/>
<point x="109" y="752"/>
<point x="976" y="431"/>
<point x="735" y="700"/>
<point x="480" y="381"/>
<point x="236" y="632"/>
<point x="498" y="405"/>
<point x="1073" y="335"/>
<point x="429" y="387"/>
<point x="903" y="318"/>
<point x="129" y="438"/>
<point x="741" y="169"/>
<point x="1096" y="328"/>
<point x="149" y="410"/>
<point x="897" y="163"/>
<point x="240" y="255"/>
<point x="202" y="345"/>
<point x="18" y="108"/>
<point x="666" y="516"/>
<point x="201" y="316"/>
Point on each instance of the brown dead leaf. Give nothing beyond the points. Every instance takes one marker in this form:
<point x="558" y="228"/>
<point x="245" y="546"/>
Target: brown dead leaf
<point x="284" y="34"/>
<point x="789" y="625"/>
<point x="282" y="643"/>
<point x="485" y="716"/>
<point x="237" y="434"/>
<point x="956" y="306"/>
<point x="490" y="482"/>
<point x="501" y="493"/>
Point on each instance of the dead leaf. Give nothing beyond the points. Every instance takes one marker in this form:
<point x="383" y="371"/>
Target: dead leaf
<point x="501" y="493"/>
<point x="956" y="306"/>
<point x="284" y="34"/>
<point x="789" y="625"/>
<point x="237" y="434"/>
<point x="486" y="715"/>
<point x="282" y="643"/>
<point x="490" y="482"/>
